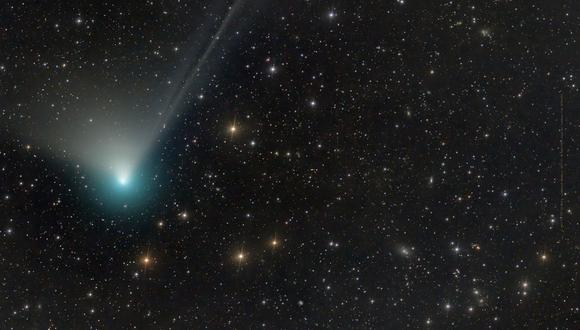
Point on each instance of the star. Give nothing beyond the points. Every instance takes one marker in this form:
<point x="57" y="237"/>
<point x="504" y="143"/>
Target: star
<point x="146" y="261"/>
<point x="240" y="257"/>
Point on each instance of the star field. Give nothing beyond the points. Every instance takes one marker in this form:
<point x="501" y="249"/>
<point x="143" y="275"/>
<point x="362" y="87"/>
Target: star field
<point x="400" y="164"/>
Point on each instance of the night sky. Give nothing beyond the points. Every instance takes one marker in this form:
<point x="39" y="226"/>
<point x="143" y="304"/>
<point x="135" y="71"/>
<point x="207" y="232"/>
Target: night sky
<point x="291" y="164"/>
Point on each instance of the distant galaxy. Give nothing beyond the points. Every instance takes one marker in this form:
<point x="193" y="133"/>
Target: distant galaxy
<point x="253" y="164"/>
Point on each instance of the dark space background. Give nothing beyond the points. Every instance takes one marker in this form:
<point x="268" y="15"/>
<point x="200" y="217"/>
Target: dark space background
<point x="404" y="155"/>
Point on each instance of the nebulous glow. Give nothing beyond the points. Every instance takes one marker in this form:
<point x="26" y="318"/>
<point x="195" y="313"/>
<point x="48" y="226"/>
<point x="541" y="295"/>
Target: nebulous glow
<point x="123" y="174"/>
<point x="109" y="127"/>
<point x="123" y="180"/>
